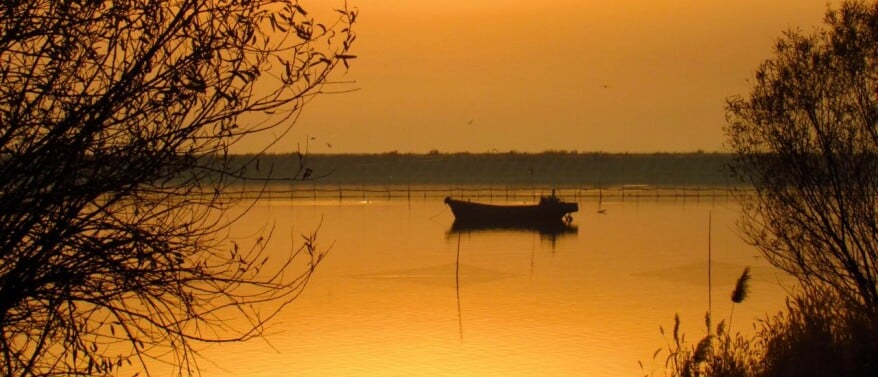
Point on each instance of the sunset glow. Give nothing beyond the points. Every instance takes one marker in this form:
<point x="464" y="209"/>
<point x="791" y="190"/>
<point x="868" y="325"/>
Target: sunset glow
<point x="616" y="76"/>
<point x="438" y="188"/>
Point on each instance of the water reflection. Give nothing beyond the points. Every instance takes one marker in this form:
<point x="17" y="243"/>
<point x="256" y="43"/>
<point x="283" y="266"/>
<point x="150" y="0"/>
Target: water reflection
<point x="406" y="291"/>
<point x="546" y="230"/>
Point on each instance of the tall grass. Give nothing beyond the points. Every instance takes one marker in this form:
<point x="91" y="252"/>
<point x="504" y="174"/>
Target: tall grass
<point x="818" y="334"/>
<point x="719" y="353"/>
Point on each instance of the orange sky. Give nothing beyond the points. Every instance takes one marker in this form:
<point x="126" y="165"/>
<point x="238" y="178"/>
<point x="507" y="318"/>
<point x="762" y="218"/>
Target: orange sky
<point x="589" y="75"/>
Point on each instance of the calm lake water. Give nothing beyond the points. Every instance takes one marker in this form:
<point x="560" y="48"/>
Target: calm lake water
<point x="389" y="301"/>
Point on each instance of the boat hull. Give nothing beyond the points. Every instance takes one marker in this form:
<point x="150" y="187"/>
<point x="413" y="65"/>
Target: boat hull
<point x="548" y="211"/>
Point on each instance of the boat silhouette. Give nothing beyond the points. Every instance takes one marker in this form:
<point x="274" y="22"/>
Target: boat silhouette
<point x="549" y="213"/>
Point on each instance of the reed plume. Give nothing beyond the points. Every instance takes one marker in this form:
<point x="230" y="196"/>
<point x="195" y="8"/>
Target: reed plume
<point x="705" y="346"/>
<point x="704" y="349"/>
<point x="742" y="289"/>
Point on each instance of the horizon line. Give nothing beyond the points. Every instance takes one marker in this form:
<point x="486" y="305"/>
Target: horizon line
<point x="510" y="152"/>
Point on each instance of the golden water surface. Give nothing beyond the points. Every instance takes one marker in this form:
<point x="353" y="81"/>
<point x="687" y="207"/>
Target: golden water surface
<point x="391" y="299"/>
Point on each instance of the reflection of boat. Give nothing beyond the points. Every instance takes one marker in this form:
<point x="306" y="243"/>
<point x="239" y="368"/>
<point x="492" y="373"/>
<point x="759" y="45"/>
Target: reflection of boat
<point x="553" y="228"/>
<point x="551" y="231"/>
<point x="550" y="210"/>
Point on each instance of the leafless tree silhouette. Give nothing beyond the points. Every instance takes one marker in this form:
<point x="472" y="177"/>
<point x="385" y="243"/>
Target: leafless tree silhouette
<point x="806" y="137"/>
<point x="116" y="118"/>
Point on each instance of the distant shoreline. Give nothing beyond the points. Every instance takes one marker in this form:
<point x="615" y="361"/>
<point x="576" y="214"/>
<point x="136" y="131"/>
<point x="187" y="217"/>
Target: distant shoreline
<point x="503" y="153"/>
<point x="509" y="168"/>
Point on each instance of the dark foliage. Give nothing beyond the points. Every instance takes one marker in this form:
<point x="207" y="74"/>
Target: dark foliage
<point x="112" y="116"/>
<point x="806" y="138"/>
<point x="817" y="335"/>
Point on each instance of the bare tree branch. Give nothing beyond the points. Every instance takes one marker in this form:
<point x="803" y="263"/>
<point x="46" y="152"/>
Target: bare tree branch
<point x="806" y="138"/>
<point x="116" y="120"/>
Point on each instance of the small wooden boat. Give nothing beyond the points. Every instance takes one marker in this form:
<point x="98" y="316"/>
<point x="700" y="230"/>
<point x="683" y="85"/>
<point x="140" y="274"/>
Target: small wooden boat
<point x="549" y="210"/>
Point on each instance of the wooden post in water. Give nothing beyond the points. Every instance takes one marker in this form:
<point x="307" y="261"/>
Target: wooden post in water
<point x="709" y="267"/>
<point x="457" y="288"/>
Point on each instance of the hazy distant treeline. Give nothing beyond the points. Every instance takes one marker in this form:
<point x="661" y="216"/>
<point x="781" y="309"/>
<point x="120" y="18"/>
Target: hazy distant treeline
<point x="550" y="168"/>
